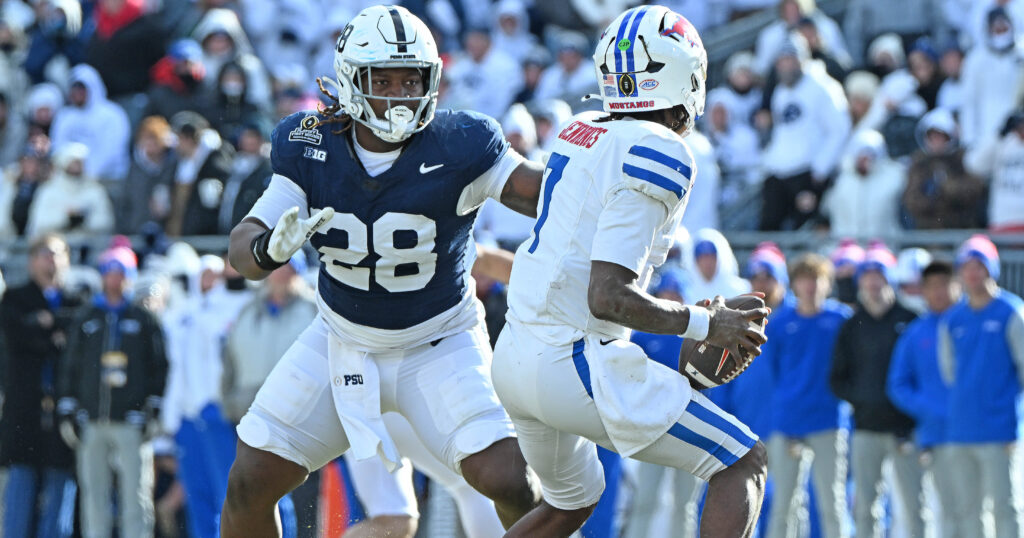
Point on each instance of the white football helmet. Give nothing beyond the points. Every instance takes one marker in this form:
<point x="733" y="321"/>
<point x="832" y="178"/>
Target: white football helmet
<point x="382" y="37"/>
<point x="651" y="58"/>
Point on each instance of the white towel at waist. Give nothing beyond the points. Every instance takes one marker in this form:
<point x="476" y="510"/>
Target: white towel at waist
<point x="356" y="390"/>
<point x="638" y="399"/>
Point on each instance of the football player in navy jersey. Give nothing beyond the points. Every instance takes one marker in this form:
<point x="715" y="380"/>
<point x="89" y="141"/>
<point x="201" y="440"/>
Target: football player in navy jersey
<point x="387" y="191"/>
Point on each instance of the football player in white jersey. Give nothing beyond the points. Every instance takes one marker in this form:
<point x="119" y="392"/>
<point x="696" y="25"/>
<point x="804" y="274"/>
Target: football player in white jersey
<point x="387" y="190"/>
<point x="614" y="192"/>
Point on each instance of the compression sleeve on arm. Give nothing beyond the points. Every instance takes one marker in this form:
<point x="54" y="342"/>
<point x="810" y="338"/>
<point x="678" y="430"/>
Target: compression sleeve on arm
<point x="489" y="184"/>
<point x="281" y="195"/>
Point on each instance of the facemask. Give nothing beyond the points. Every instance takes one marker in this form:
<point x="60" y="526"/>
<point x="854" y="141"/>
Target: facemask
<point x="232" y="88"/>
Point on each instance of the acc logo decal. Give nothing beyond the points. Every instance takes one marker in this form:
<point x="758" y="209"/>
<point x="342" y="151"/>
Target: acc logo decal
<point x="609" y="91"/>
<point x="315" y="154"/>
<point x="306" y="132"/>
<point x="648" y="84"/>
<point x="627" y="86"/>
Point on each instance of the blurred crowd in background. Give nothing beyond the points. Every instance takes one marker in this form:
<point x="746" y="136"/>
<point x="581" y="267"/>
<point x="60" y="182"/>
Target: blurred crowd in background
<point x="151" y="119"/>
<point x="119" y="113"/>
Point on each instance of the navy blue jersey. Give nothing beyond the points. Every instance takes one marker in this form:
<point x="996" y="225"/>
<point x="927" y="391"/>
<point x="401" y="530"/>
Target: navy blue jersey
<point x="395" y="253"/>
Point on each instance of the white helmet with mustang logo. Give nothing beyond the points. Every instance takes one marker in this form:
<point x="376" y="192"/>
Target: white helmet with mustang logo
<point x="651" y="58"/>
<point x="382" y="37"/>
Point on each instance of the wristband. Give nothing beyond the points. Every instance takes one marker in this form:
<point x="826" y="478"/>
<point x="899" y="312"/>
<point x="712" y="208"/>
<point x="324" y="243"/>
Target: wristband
<point x="700" y="321"/>
<point x="260" y="255"/>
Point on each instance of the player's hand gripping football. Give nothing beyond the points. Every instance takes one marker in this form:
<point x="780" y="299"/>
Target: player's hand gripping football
<point x="291" y="232"/>
<point x="738" y="331"/>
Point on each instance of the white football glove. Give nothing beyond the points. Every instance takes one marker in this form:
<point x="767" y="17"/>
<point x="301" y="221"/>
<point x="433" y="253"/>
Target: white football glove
<point x="292" y="232"/>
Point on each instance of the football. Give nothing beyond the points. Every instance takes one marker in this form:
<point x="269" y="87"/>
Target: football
<point x="708" y="366"/>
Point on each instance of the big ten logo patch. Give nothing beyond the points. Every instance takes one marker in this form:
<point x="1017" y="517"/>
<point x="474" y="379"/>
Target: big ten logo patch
<point x="315" y="154"/>
<point x="354" y="379"/>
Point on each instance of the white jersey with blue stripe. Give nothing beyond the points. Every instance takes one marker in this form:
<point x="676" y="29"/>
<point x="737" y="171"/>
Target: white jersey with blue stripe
<point x="614" y="191"/>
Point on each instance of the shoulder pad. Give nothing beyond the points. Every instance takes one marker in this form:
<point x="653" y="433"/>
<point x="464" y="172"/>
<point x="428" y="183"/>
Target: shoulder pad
<point x="290" y="138"/>
<point x="474" y="139"/>
<point x="659" y="167"/>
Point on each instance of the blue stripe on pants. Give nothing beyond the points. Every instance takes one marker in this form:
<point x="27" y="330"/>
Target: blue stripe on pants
<point x="579" y="360"/>
<point x="716" y="421"/>
<point x="689" y="436"/>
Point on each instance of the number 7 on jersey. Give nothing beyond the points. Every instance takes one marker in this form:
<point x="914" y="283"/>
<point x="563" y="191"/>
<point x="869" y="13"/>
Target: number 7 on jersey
<point x="552" y="175"/>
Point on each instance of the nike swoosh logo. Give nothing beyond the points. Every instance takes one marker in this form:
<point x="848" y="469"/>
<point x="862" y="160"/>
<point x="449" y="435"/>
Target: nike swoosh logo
<point x="606" y="342"/>
<point x="424" y="168"/>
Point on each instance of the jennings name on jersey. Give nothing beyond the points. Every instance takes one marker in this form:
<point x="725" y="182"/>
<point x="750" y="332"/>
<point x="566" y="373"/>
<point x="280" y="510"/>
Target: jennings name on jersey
<point x="613" y="191"/>
<point x="395" y="257"/>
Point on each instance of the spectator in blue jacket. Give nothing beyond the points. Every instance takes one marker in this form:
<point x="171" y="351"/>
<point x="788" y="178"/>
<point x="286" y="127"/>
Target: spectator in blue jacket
<point x="981" y="356"/>
<point x="746" y="395"/>
<point x="916" y="387"/>
<point x="807" y="417"/>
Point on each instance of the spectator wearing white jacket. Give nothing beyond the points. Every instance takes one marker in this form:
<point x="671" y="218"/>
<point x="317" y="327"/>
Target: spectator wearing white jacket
<point x="864" y="202"/>
<point x="484" y="79"/>
<point x="570" y="77"/>
<point x="992" y="74"/>
<point x="810" y="126"/>
<point x="71" y="202"/>
<point x="897" y="98"/>
<point x="511" y="33"/>
<point x="743" y="94"/>
<point x="702" y="209"/>
<point x="1002" y="158"/>
<point x="193" y="404"/>
<point x="715" y="270"/>
<point x="737" y="148"/>
<point x="772" y="40"/>
<point x="99" y="123"/>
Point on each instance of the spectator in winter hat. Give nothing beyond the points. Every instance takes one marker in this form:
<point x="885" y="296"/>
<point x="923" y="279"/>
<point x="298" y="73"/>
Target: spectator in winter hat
<point x="110" y="391"/>
<point x="99" y="123"/>
<point x="71" y="201"/>
<point x="807" y="104"/>
<point x="860" y="87"/>
<point x="909" y="265"/>
<point x="859" y="369"/>
<point x="940" y="193"/>
<point x="845" y="258"/>
<point x="42" y="104"/>
<point x="991" y="80"/>
<point x="864" y="202"/>
<point x="981" y="358"/>
<point x="177" y="80"/>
